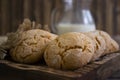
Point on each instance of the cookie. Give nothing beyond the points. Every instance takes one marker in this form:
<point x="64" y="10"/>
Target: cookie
<point x="31" y="45"/>
<point x="69" y="51"/>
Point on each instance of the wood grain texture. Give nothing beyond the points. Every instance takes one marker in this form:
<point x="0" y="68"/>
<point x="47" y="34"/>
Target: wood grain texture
<point x="98" y="70"/>
<point x="118" y="16"/>
<point x="99" y="15"/>
<point x="38" y="11"/>
<point x="27" y="8"/>
<point x="5" y="17"/>
<point x="12" y="12"/>
<point x="47" y="13"/>
<point x="109" y="17"/>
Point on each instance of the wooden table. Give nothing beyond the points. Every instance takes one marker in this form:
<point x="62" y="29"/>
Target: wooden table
<point x="97" y="70"/>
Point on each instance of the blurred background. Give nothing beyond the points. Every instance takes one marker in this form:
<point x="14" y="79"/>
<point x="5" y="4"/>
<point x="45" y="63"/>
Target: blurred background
<point x="106" y="13"/>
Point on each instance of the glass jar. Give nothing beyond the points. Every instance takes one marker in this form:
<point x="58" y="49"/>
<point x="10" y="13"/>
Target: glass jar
<point x="75" y="17"/>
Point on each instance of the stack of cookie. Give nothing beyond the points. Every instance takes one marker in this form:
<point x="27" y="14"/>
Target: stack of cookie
<point x="67" y="51"/>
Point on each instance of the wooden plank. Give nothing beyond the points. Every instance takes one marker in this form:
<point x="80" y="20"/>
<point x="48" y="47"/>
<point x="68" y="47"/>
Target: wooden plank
<point x="99" y="15"/>
<point x="20" y="12"/>
<point x="118" y="16"/>
<point x="47" y="14"/>
<point x="103" y="12"/>
<point x="118" y="23"/>
<point x="38" y="11"/>
<point x="115" y="16"/>
<point x="109" y="16"/>
<point x="14" y="15"/>
<point x="0" y="19"/>
<point x="5" y="16"/>
<point x="98" y="70"/>
<point x="27" y="9"/>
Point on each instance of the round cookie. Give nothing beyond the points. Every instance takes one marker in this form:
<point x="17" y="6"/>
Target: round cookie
<point x="100" y="44"/>
<point x="69" y="51"/>
<point x="31" y="46"/>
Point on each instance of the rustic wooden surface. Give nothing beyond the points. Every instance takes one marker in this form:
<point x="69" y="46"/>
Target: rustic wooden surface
<point x="115" y="76"/>
<point x="98" y="70"/>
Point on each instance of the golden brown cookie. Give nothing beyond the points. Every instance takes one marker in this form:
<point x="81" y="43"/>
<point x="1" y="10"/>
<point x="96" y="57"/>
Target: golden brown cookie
<point x="69" y="51"/>
<point x="31" y="46"/>
<point x="99" y="41"/>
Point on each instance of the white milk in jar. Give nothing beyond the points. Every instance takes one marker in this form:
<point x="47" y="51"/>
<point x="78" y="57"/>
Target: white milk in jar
<point x="64" y="28"/>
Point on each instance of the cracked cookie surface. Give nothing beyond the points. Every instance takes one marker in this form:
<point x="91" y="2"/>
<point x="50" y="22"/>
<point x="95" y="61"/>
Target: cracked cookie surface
<point x="100" y="44"/>
<point x="31" y="46"/>
<point x="111" y="44"/>
<point x="69" y="51"/>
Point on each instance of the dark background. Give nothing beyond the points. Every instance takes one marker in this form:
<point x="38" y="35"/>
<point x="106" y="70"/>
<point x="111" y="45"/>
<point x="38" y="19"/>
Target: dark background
<point x="12" y="12"/>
